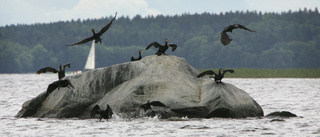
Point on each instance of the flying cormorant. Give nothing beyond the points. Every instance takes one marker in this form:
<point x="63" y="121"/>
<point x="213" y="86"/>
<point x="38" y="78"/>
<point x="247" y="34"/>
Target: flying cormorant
<point x="140" y="57"/>
<point x="106" y="114"/>
<point x="225" y="40"/>
<point x="162" y="49"/>
<point x="148" y="105"/>
<point x="58" y="84"/>
<point x="217" y="77"/>
<point x="61" y="72"/>
<point x="96" y="36"/>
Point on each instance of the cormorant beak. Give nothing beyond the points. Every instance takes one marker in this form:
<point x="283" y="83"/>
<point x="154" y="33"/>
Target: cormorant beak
<point x="166" y="40"/>
<point x="141" y="50"/>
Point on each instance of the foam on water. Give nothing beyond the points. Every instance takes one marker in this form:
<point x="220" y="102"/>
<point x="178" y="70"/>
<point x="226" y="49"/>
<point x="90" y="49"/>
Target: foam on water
<point x="299" y="96"/>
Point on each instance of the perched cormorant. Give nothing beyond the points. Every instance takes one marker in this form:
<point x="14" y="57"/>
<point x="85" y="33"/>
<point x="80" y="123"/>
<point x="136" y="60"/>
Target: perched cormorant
<point x="162" y="49"/>
<point x="140" y="57"/>
<point x="225" y="40"/>
<point x="58" y="84"/>
<point x="61" y="72"/>
<point x="96" y="36"/>
<point x="153" y="103"/>
<point x="106" y="114"/>
<point x="217" y="77"/>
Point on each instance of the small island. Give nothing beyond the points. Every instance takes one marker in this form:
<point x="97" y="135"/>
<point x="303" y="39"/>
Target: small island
<point x="168" y="79"/>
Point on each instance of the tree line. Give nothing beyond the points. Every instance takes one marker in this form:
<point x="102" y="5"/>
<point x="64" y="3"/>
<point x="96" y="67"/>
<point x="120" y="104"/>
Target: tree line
<point x="282" y="40"/>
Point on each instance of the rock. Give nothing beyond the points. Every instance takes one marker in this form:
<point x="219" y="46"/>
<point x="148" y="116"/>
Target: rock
<point x="124" y="87"/>
<point x="281" y="114"/>
<point x="226" y="100"/>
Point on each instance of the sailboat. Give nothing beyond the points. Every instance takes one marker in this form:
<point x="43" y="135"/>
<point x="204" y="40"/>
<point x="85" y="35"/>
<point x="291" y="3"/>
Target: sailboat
<point x="90" y="64"/>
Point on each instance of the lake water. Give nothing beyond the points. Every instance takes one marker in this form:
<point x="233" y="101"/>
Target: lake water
<point x="299" y="96"/>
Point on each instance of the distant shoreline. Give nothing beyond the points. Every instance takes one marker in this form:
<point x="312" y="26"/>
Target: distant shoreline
<point x="251" y="73"/>
<point x="270" y="73"/>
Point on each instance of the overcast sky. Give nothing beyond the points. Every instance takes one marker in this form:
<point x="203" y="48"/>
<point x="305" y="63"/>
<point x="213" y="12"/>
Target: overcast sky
<point x="45" y="11"/>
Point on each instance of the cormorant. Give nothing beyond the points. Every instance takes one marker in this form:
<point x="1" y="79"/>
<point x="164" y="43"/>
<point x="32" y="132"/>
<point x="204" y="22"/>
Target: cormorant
<point x="96" y="36"/>
<point x="217" y="77"/>
<point x="61" y="72"/>
<point x="162" y="49"/>
<point x="58" y="84"/>
<point x="225" y="40"/>
<point x="106" y="114"/>
<point x="140" y="57"/>
<point x="153" y="103"/>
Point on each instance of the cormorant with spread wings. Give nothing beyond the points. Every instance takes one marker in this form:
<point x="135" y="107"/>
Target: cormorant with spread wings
<point x="96" y="36"/>
<point x="162" y="49"/>
<point x="225" y="40"/>
<point x="61" y="72"/>
<point x="106" y="114"/>
<point x="217" y="77"/>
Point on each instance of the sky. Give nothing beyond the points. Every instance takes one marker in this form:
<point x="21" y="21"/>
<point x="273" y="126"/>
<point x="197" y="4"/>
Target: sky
<point x="46" y="11"/>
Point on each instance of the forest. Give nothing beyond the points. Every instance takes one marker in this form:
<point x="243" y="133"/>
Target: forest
<point x="282" y="40"/>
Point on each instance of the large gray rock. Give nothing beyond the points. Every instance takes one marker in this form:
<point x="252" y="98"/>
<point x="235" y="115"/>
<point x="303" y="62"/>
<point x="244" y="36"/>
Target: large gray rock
<point x="124" y="87"/>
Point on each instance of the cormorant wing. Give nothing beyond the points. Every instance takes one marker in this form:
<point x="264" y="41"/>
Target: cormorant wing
<point x="52" y="87"/>
<point x="94" y="111"/>
<point x="243" y="27"/>
<point x="157" y="103"/>
<point x="133" y="59"/>
<point x="109" y="111"/>
<point x="208" y="72"/>
<point x="47" y="69"/>
<point x="104" y="29"/>
<point x="225" y="40"/>
<point x="66" y="65"/>
<point x="174" y="46"/>
<point x="155" y="44"/>
<point x="228" y="70"/>
<point x="228" y="28"/>
<point x="82" y="42"/>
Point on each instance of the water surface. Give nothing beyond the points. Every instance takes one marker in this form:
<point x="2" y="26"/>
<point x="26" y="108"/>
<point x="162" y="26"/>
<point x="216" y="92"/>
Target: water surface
<point x="299" y="96"/>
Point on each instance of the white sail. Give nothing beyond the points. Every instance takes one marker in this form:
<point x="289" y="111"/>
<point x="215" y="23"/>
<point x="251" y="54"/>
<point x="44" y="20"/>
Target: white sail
<point x="90" y="64"/>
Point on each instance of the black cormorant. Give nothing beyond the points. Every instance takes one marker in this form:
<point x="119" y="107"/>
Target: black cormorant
<point x="225" y="40"/>
<point x="61" y="72"/>
<point x="217" y="77"/>
<point x="153" y="103"/>
<point x="162" y="49"/>
<point x="58" y="84"/>
<point x="96" y="36"/>
<point x="106" y="114"/>
<point x="140" y="57"/>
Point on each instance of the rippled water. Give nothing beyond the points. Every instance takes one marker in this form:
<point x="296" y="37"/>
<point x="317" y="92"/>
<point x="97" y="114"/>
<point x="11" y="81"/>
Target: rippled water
<point x="299" y="96"/>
